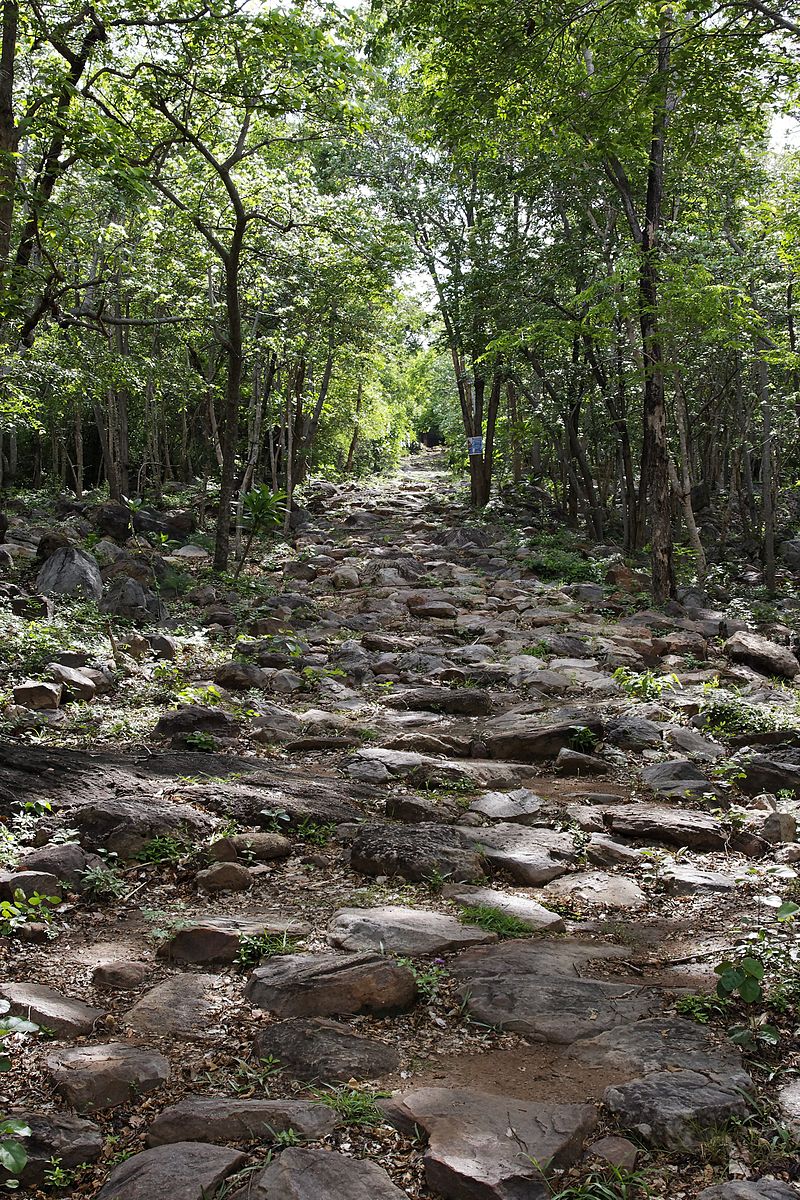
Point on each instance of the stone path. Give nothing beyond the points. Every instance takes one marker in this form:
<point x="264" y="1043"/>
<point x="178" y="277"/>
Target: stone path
<point x="437" y="759"/>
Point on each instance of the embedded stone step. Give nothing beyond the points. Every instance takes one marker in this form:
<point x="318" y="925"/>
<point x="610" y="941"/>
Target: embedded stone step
<point x="319" y="1175"/>
<point x="320" y="985"/>
<point x="231" y="1119"/>
<point x="393" y="929"/>
<point x="49" y="1009"/>
<point x="326" y="1051"/>
<point x="181" y="1171"/>
<point x="96" y="1077"/>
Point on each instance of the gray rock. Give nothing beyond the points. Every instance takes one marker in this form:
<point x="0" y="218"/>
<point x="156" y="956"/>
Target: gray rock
<point x="524" y="739"/>
<point x="121" y="975"/>
<point x="471" y="1155"/>
<point x="217" y="939"/>
<point x="178" y="1007"/>
<point x="240" y="676"/>
<point x="319" y="1175"/>
<point x="529" y="855"/>
<point x="535" y="916"/>
<point x="127" y="597"/>
<point x="65" y="860"/>
<point x="70" y="572"/>
<point x="764" y="656"/>
<point x="182" y="1171"/>
<point x="672" y="1109"/>
<point x="71" y="1140"/>
<point x="687" y="880"/>
<point x="194" y="718"/>
<point x="519" y="806"/>
<point x="394" y="929"/>
<point x="96" y="1077"/>
<point x="38" y="694"/>
<point x="758" y="1189"/>
<point x="595" y="887"/>
<point x="634" y="733"/>
<point x="678" y="778"/>
<point x="47" y="1007"/>
<point x="29" y="883"/>
<point x="78" y="684"/>
<point x="319" y="985"/>
<point x="325" y="1051"/>
<point x="675" y="826"/>
<point x="664" y="1044"/>
<point x="232" y="1119"/>
<point x="224" y="877"/>
<point x="258" y="846"/>
<point x="416" y="854"/>
<point x="519" y="987"/>
<point x="123" y="826"/>
<point x="467" y="702"/>
<point x="571" y="762"/>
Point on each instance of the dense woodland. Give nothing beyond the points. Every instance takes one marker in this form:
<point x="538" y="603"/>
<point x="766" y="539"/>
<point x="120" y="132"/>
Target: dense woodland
<point x="244" y="243"/>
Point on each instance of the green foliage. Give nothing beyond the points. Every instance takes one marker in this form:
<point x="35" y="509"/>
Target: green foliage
<point x="583" y="739"/>
<point x="314" y="832"/>
<point x="201" y="740"/>
<point x="645" y="685"/>
<point x="606" y="1183"/>
<point x="552" y="559"/>
<point x="24" y="910"/>
<point x="355" y="1106"/>
<point x="254" y="947"/>
<point x="164" y="848"/>
<point x="494" y="920"/>
<point x="727" y="716"/>
<point x="13" y="1131"/>
<point x="103" y="883"/>
<point x="429" y="977"/>
<point x="701" y="1008"/>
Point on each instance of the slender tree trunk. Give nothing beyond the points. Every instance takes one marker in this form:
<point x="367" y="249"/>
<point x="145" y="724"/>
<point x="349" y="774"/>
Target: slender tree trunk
<point x="351" y="450"/>
<point x="8" y="135"/>
<point x="767" y="504"/>
<point x="233" y="392"/>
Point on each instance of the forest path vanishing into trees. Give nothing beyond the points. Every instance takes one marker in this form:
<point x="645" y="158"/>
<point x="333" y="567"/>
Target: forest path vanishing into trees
<point x="432" y="913"/>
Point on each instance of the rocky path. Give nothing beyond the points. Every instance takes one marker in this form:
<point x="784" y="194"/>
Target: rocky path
<point x="429" y="918"/>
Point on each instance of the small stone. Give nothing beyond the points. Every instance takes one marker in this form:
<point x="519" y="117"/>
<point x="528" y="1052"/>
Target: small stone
<point x="178" y="1007"/>
<point x="121" y="976"/>
<point x="225" y="877"/>
<point x="262" y="847"/>
<point x="617" y="1151"/>
<point x="218" y="939"/>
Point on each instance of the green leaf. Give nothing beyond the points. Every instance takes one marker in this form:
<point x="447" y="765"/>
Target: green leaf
<point x="750" y="990"/>
<point x="752" y="967"/>
<point x="13" y="1157"/>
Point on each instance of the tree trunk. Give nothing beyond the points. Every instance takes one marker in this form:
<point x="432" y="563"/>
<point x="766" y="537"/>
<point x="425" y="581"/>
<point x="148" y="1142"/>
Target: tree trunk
<point x="351" y="451"/>
<point x="8" y="135"/>
<point x="233" y="391"/>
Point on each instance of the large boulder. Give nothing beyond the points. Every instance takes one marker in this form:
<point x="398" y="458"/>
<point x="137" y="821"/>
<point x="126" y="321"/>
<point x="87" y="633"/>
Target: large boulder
<point x="524" y="739"/>
<point x="70" y="572"/>
<point x="764" y="656"/>
<point x="126" y="597"/>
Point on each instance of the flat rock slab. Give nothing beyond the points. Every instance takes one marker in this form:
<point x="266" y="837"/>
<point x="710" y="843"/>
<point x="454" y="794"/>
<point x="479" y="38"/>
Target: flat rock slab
<point x="181" y="1171"/>
<point x="515" y="987"/>
<point x="520" y="805"/>
<point x="397" y="930"/>
<point x="415" y="854"/>
<point x="179" y="1007"/>
<point x="664" y="1044"/>
<point x="211" y="940"/>
<point x="229" y="1119"/>
<point x="678" y="778"/>
<point x="93" y="1078"/>
<point x="325" y="1051"/>
<point x="533" y="856"/>
<point x="661" y="823"/>
<point x="48" y="1008"/>
<point x="321" y="985"/>
<point x="596" y="887"/>
<point x="525" y="739"/>
<point x="486" y="1146"/>
<point x="672" y="1109"/>
<point x="319" y="1175"/>
<point x="759" y="1189"/>
<point x="535" y="916"/>
<point x="468" y="702"/>
<point x="124" y="825"/>
<point x="72" y="1140"/>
